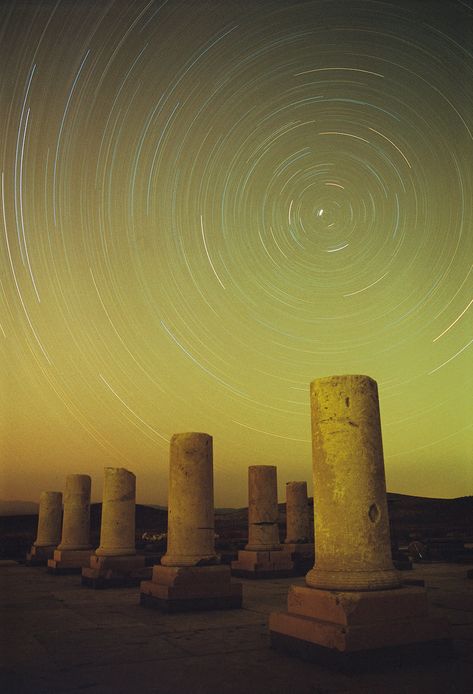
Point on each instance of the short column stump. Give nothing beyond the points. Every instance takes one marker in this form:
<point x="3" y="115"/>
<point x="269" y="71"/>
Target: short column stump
<point x="68" y="561"/>
<point x="115" y="572"/>
<point x="190" y="588"/>
<point x="263" y="564"/>
<point x="302" y="554"/>
<point x="350" y="629"/>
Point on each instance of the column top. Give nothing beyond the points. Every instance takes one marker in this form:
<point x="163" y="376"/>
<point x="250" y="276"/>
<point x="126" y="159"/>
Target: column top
<point x="262" y="467"/>
<point x="340" y="378"/>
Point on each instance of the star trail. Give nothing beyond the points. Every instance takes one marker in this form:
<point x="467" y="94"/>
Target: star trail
<point x="206" y="204"/>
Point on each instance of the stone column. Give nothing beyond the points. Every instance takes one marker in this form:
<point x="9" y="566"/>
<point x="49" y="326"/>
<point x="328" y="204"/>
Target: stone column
<point x="191" y="533"/>
<point x="190" y="576"/>
<point x="353" y="602"/>
<point x="49" y="519"/>
<point x="297" y="516"/>
<point x="115" y="563"/>
<point x="49" y="529"/>
<point x="351" y="514"/>
<point x="262" y="556"/>
<point x="263" y="530"/>
<point x="117" y="530"/>
<point x="76" y="522"/>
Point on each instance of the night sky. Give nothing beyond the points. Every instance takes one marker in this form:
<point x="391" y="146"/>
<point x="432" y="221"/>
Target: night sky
<point x="208" y="204"/>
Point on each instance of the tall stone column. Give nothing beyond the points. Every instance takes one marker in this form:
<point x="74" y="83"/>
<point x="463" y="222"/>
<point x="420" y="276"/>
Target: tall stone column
<point x="297" y="516"/>
<point x="353" y="601"/>
<point x="117" y="530"/>
<point x="76" y="523"/>
<point x="49" y="528"/>
<point x="351" y="514"/>
<point x="115" y="562"/>
<point x="263" y="512"/>
<point x="297" y="541"/>
<point x="191" y="533"/>
<point x="190" y="576"/>
<point x="262" y="556"/>
<point x="74" y="550"/>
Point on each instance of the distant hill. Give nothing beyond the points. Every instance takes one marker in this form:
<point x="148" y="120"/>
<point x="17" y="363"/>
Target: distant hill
<point x="18" y="508"/>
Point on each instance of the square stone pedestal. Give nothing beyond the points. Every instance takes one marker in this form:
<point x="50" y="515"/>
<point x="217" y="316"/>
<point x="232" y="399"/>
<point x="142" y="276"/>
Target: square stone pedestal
<point x="190" y="588"/>
<point x="39" y="556"/>
<point x="115" y="572"/>
<point x="352" y="629"/>
<point x="69" y="561"/>
<point x="302" y="554"/>
<point x="272" y="564"/>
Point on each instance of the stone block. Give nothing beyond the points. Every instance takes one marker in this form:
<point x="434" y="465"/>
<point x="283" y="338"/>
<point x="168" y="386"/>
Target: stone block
<point x="67" y="561"/>
<point x="273" y="564"/>
<point x="39" y="556"/>
<point x="115" y="572"/>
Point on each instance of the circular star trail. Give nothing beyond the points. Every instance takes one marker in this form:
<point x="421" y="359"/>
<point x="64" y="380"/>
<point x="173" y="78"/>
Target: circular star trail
<point x="205" y="206"/>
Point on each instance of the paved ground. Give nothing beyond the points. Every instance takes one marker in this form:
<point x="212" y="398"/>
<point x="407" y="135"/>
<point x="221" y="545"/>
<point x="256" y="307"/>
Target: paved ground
<point x="56" y="636"/>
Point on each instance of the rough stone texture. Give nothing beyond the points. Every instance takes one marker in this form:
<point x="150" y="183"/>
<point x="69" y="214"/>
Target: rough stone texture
<point x="262" y="564"/>
<point x="115" y="572"/>
<point x="365" y="608"/>
<point x="302" y="556"/>
<point x="353" y="548"/>
<point x="49" y="519"/>
<point x="76" y="521"/>
<point x="182" y="589"/>
<point x="69" y="561"/>
<point x="297" y="513"/>
<point x="263" y="530"/>
<point x="191" y="534"/>
<point x="117" y="530"/>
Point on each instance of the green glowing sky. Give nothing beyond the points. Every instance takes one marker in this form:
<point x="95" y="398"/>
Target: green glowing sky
<point x="205" y="206"/>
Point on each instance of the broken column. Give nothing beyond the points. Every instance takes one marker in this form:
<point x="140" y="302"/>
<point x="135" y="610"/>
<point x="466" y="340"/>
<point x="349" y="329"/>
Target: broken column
<point x="297" y="542"/>
<point x="353" y="604"/>
<point x="190" y="576"/>
<point x="115" y="562"/>
<point x="49" y="529"/>
<point x="262" y="556"/>
<point x="75" y="549"/>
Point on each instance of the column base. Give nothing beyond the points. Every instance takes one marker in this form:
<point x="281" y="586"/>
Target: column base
<point x="189" y="589"/>
<point x="39" y="556"/>
<point x="115" y="572"/>
<point x="353" y="629"/>
<point x="272" y="564"/>
<point x="69" y="561"/>
<point x="469" y="573"/>
<point x="302" y="554"/>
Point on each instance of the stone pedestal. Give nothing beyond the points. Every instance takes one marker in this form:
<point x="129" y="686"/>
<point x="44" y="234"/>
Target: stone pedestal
<point x="49" y="529"/>
<point x="115" y="563"/>
<point x="353" y="606"/>
<point x="190" y="577"/>
<point x="301" y="554"/>
<point x="74" y="551"/>
<point x="262" y="556"/>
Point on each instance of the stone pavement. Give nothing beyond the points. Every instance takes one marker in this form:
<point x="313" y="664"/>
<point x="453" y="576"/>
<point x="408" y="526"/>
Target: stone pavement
<point x="56" y="636"/>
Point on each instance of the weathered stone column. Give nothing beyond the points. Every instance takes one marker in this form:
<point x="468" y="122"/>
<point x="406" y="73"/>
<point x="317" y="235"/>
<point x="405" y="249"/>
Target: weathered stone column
<point x="263" y="512"/>
<point x="191" y="533"/>
<point x="190" y="576"/>
<point x="49" y="528"/>
<point x="115" y="562"/>
<point x="351" y="513"/>
<point x="353" y="602"/>
<point x="117" y="529"/>
<point x="262" y="556"/>
<point x="75" y="549"/>
<point x="297" y="516"/>
<point x="297" y="541"/>
<point x="76" y="522"/>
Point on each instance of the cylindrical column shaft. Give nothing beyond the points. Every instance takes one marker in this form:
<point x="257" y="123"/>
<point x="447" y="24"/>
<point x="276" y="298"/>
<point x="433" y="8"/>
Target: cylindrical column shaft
<point x="263" y="531"/>
<point x="49" y="519"/>
<point x="297" y="513"/>
<point x="352" y="540"/>
<point x="117" y="529"/>
<point x="76" y="522"/>
<point x="191" y="535"/>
